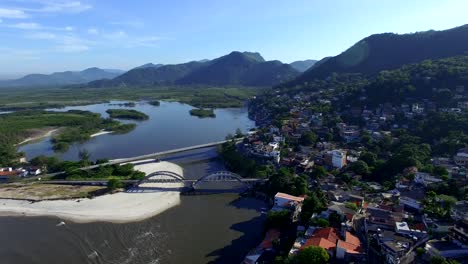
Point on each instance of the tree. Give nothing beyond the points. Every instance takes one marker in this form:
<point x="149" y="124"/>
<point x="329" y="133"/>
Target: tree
<point x="114" y="184"/>
<point x="440" y="171"/>
<point x="360" y="167"/>
<point x="369" y="158"/>
<point x="310" y="206"/>
<point x="277" y="219"/>
<point x="311" y="255"/>
<point x="308" y="138"/>
<point x="319" y="172"/>
<point x="442" y="260"/>
<point x="239" y="133"/>
<point x="84" y="156"/>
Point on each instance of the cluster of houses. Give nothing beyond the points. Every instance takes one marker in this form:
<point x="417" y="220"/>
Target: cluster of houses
<point x="10" y="173"/>
<point x="386" y="224"/>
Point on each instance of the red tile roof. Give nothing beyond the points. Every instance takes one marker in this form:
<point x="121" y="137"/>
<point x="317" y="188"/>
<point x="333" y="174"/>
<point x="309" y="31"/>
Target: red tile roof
<point x="319" y="242"/>
<point x="350" y="238"/>
<point x="350" y="248"/>
<point x="328" y="233"/>
<point x="270" y="236"/>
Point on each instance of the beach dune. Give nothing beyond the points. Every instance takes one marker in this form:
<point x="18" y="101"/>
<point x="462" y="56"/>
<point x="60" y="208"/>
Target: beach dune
<point x="134" y="205"/>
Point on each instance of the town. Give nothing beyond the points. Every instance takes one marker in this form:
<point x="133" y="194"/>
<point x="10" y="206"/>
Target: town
<point x="370" y="189"/>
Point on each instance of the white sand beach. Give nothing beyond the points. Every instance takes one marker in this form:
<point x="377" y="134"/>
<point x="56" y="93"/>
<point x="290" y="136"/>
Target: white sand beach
<point x="100" y="133"/>
<point x="134" y="205"/>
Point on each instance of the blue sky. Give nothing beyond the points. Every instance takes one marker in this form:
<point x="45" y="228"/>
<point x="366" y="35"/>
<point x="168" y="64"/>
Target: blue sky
<point x="43" y="36"/>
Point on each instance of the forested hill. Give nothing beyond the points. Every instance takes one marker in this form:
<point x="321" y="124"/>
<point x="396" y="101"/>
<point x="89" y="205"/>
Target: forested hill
<point x="390" y="51"/>
<point x="146" y="76"/>
<point x="236" y="68"/>
<point x="62" y="78"/>
<point x="435" y="80"/>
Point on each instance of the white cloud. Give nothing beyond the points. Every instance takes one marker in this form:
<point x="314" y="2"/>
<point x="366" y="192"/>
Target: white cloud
<point x="1" y="21"/>
<point x="150" y="41"/>
<point x="72" y="48"/>
<point x="116" y="35"/>
<point x="93" y="31"/>
<point x="59" y="6"/>
<point x="41" y="35"/>
<point x="129" y="23"/>
<point x="71" y="43"/>
<point x="12" y="13"/>
<point x="69" y="28"/>
<point x="26" y="26"/>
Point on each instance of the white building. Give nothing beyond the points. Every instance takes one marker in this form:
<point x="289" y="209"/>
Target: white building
<point x="338" y="158"/>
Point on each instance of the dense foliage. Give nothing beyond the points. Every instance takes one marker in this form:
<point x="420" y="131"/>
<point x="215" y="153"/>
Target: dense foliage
<point x="77" y="126"/>
<point x="127" y="114"/>
<point x="389" y="51"/>
<point x="202" y="113"/>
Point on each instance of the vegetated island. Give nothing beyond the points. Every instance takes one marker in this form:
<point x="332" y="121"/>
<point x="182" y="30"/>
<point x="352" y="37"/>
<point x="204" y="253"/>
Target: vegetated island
<point x="203" y="113"/>
<point x="73" y="126"/>
<point x="154" y="103"/>
<point x="127" y="114"/>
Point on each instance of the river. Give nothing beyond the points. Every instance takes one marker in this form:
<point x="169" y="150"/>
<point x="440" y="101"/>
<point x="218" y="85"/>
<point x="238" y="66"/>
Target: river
<point x="170" y="126"/>
<point x="219" y="228"/>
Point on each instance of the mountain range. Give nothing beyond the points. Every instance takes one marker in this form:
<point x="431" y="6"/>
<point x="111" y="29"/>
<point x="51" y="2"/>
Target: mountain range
<point x="303" y="65"/>
<point x="62" y="78"/>
<point x="236" y="68"/>
<point x="389" y="51"/>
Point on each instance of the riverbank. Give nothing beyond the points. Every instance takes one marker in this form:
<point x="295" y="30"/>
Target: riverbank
<point x="40" y="134"/>
<point x="100" y="133"/>
<point x="136" y="204"/>
<point x="116" y="208"/>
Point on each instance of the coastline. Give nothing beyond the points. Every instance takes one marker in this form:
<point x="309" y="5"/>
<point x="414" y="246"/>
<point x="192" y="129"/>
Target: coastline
<point x="41" y="136"/>
<point x="100" y="133"/>
<point x="116" y="208"/>
<point x="136" y="204"/>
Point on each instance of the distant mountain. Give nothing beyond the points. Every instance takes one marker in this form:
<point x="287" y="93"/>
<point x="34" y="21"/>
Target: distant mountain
<point x="149" y="65"/>
<point x="164" y="75"/>
<point x="236" y="68"/>
<point x="62" y="78"/>
<point x="303" y="65"/>
<point x="389" y="51"/>
<point x="240" y="68"/>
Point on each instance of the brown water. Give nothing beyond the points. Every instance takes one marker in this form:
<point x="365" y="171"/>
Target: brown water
<point x="219" y="228"/>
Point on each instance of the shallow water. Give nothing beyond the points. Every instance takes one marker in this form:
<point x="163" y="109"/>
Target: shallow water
<point x="170" y="126"/>
<point x="219" y="228"/>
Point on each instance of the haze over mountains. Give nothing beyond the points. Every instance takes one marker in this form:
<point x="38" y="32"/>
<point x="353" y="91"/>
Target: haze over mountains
<point x="303" y="65"/>
<point x="236" y="68"/>
<point x="369" y="56"/>
<point x="62" y="78"/>
<point x="389" y="51"/>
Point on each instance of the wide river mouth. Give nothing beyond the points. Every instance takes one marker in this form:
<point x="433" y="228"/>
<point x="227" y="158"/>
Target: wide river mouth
<point x="217" y="228"/>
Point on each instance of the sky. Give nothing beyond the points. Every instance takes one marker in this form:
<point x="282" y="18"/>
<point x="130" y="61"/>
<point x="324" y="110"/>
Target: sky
<point x="43" y="36"/>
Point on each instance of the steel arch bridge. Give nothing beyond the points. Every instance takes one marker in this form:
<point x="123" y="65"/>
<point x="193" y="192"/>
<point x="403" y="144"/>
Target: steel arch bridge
<point x="164" y="176"/>
<point x="220" y="176"/>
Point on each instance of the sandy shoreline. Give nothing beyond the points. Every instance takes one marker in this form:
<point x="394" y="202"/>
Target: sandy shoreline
<point x="46" y="134"/>
<point x="134" y="205"/>
<point x="100" y="133"/>
<point x="117" y="208"/>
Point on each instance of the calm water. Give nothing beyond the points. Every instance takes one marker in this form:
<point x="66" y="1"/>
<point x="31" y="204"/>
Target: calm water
<point x="203" y="229"/>
<point x="170" y="126"/>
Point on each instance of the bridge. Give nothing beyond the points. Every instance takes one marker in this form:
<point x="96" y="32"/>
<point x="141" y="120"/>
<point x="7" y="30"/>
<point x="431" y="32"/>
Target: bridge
<point x="159" y="154"/>
<point x="165" y="182"/>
